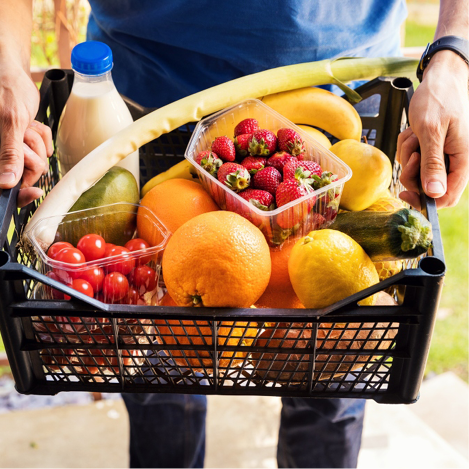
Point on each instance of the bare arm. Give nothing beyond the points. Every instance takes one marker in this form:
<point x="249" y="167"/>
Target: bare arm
<point x="24" y="143"/>
<point x="439" y="119"/>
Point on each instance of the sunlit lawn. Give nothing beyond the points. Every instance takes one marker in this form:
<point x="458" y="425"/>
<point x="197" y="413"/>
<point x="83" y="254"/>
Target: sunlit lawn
<point x="449" y="349"/>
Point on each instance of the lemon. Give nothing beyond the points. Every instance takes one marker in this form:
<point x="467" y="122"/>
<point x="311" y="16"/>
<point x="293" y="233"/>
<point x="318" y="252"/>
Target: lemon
<point x="372" y="173"/>
<point x="327" y="266"/>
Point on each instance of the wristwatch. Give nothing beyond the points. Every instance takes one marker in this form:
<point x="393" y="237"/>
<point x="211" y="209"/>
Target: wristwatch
<point x="456" y="44"/>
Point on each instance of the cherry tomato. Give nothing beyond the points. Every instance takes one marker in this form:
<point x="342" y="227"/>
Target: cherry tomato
<point x="132" y="297"/>
<point x="57" y="247"/>
<point x="92" y="246"/>
<point x="139" y="244"/>
<point x="115" y="286"/>
<point x="108" y="248"/>
<point x="144" y="278"/>
<point x="83" y="286"/>
<point x="95" y="276"/>
<point x="52" y="292"/>
<point x="124" y="264"/>
<point x="71" y="256"/>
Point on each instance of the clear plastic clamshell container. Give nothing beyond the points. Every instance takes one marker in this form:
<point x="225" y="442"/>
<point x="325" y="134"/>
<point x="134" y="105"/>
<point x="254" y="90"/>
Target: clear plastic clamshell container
<point x="316" y="210"/>
<point x="117" y="224"/>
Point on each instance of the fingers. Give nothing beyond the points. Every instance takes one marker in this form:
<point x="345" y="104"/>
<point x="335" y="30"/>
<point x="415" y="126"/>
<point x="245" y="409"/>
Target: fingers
<point x="407" y="143"/>
<point x="45" y="133"/>
<point x="27" y="195"/>
<point x="34" y="167"/>
<point x="412" y="198"/>
<point x="433" y="169"/>
<point x="11" y="155"/>
<point x="457" y="180"/>
<point x="401" y="138"/>
<point x="35" y="142"/>
<point x="410" y="174"/>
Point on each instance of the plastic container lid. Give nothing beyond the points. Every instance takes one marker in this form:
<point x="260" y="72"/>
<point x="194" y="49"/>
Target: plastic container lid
<point x="92" y="58"/>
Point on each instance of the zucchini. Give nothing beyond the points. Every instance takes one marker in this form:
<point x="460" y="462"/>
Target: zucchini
<point x="387" y="236"/>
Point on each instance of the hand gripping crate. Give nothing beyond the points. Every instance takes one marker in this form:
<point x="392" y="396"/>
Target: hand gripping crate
<point x="346" y="351"/>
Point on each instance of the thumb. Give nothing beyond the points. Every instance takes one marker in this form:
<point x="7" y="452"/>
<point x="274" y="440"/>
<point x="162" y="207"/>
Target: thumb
<point x="432" y="165"/>
<point x="11" y="157"/>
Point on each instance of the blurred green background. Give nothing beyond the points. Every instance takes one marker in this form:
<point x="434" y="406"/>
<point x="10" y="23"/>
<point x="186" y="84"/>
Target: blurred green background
<point x="449" y="349"/>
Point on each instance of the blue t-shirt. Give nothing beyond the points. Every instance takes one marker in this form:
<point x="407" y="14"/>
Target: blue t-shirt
<point x="165" y="50"/>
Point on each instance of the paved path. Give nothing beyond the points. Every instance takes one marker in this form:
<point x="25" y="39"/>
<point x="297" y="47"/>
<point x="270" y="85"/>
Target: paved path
<point x="242" y="432"/>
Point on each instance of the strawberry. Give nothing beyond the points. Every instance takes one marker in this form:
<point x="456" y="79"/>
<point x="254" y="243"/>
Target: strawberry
<point x="289" y="140"/>
<point x="235" y="176"/>
<point x="235" y="205"/>
<point x="317" y="221"/>
<point x="261" y="199"/>
<point x="246" y="126"/>
<point x="262" y="143"/>
<point x="241" y="143"/>
<point x="224" y="148"/>
<point x="254" y="163"/>
<point x="267" y="179"/>
<point x="279" y="160"/>
<point x="290" y="190"/>
<point x="209" y="161"/>
<point x="309" y="167"/>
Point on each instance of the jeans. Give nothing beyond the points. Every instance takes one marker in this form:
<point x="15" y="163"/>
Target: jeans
<point x="168" y="430"/>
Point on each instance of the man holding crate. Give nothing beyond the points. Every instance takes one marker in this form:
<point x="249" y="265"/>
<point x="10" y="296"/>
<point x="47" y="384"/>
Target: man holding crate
<point x="164" y="51"/>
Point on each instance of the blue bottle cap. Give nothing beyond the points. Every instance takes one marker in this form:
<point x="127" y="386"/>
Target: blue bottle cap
<point x="92" y="58"/>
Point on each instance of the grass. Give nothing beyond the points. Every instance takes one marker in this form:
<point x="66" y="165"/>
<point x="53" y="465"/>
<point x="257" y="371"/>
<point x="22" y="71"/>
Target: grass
<point x="417" y="35"/>
<point x="449" y="348"/>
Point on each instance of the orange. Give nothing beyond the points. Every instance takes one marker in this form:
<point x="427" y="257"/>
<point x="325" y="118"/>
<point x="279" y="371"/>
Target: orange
<point x="187" y="333"/>
<point x="217" y="259"/>
<point x="174" y="202"/>
<point x="279" y="292"/>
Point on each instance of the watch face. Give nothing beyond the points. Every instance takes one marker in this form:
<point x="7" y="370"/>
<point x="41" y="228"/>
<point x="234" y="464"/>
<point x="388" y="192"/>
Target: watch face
<point x="422" y="63"/>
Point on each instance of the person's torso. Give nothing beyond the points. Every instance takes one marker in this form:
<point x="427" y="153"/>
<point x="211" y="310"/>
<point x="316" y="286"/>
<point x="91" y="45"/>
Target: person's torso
<point x="165" y="50"/>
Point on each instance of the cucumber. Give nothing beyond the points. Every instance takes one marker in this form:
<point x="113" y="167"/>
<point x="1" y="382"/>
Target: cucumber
<point x="387" y="236"/>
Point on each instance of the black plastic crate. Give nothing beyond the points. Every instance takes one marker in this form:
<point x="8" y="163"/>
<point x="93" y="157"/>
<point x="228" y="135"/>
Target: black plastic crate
<point x="374" y="352"/>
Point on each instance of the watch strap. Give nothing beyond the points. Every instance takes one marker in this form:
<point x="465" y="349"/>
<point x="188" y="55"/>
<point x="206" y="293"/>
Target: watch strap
<point x="456" y="44"/>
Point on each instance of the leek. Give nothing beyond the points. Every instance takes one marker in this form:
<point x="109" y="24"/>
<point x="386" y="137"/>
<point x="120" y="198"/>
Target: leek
<point x="192" y="108"/>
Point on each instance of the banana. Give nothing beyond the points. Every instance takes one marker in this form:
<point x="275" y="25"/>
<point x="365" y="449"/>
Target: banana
<point x="181" y="170"/>
<point x="319" y="108"/>
<point x="317" y="135"/>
